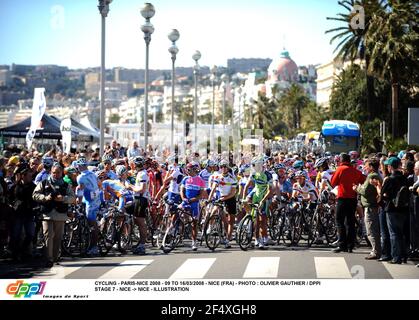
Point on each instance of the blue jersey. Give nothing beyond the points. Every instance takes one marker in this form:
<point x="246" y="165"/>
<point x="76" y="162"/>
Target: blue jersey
<point x="112" y="175"/>
<point x="118" y="191"/>
<point x="193" y="186"/>
<point x="91" y="189"/>
<point x="205" y="174"/>
<point x="42" y="176"/>
<point x="286" y="186"/>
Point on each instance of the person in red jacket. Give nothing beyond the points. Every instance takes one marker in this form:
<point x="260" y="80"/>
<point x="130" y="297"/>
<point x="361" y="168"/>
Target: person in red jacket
<point x="346" y="178"/>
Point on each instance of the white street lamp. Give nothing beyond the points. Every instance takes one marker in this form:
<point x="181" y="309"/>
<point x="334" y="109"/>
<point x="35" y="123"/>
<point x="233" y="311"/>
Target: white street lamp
<point x="173" y="50"/>
<point x="104" y="10"/>
<point x="147" y="28"/>
<point x="196" y="56"/>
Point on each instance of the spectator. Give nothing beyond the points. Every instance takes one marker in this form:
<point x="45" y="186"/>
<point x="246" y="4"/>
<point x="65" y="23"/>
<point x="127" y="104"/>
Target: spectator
<point x="414" y="216"/>
<point x="134" y="150"/>
<point x="24" y="216"/>
<point x="345" y="178"/>
<point x="369" y="197"/>
<point x="54" y="195"/>
<point x="396" y="216"/>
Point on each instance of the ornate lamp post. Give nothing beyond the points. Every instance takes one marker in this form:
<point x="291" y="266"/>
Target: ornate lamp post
<point x="104" y="10"/>
<point x="173" y="50"/>
<point x="147" y="28"/>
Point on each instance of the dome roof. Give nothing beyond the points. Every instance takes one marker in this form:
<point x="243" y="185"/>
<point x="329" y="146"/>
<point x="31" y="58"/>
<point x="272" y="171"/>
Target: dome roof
<point x="283" y="69"/>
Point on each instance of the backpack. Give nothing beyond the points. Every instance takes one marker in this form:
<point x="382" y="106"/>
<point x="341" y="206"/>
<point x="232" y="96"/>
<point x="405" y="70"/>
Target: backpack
<point x="401" y="201"/>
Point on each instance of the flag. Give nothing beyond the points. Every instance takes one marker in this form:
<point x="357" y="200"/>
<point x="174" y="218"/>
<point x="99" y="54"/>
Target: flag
<point x="65" y="129"/>
<point x="38" y="110"/>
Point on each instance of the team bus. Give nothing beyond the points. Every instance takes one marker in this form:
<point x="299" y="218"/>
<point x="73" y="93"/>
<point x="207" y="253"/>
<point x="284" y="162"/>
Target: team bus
<point x="341" y="136"/>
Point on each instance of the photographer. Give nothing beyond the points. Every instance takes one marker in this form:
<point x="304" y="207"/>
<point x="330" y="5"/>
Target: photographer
<point x="54" y="195"/>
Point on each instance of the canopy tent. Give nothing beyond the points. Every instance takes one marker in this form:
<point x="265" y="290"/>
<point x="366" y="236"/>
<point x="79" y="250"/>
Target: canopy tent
<point x="83" y="134"/>
<point x="85" y="122"/>
<point x="49" y="129"/>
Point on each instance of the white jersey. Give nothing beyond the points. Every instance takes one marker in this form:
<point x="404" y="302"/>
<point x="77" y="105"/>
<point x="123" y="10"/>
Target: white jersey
<point x="142" y="177"/>
<point x="225" y="184"/>
<point x="174" y="186"/>
<point x="307" y="191"/>
<point x="212" y="178"/>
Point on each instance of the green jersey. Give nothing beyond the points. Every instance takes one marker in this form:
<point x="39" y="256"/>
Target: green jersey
<point x="262" y="182"/>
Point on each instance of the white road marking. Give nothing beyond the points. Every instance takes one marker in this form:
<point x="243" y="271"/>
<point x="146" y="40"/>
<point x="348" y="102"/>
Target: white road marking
<point x="332" y="268"/>
<point x="126" y="269"/>
<point x="193" y="269"/>
<point x="262" y="267"/>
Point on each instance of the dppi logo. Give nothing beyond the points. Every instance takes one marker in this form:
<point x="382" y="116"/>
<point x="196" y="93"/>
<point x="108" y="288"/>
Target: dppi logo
<point x="27" y="290"/>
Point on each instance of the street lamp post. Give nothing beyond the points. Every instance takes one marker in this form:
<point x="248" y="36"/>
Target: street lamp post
<point x="173" y="50"/>
<point x="196" y="56"/>
<point x="240" y="90"/>
<point x="224" y="79"/>
<point x="147" y="28"/>
<point x="213" y="78"/>
<point x="104" y="10"/>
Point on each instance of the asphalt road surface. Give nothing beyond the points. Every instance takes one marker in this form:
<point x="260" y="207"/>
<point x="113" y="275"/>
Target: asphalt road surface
<point x="276" y="262"/>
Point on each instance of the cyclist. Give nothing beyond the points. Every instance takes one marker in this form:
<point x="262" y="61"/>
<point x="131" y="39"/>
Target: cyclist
<point x="261" y="181"/>
<point x="71" y="177"/>
<point x="324" y="175"/>
<point x="47" y="163"/>
<point x="88" y="192"/>
<point x="173" y="178"/>
<point x="141" y="196"/>
<point x="206" y="173"/>
<point x="304" y="188"/>
<point x="282" y="186"/>
<point x="226" y="183"/>
<point x="107" y="163"/>
<point x="192" y="189"/>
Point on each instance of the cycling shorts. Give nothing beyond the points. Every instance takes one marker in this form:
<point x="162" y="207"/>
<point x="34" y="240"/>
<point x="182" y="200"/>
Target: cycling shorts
<point x="194" y="207"/>
<point x="140" y="207"/>
<point x="92" y="208"/>
<point x="231" y="205"/>
<point x="174" y="197"/>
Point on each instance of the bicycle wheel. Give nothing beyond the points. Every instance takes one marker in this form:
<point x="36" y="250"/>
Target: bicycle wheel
<point x="108" y="237"/>
<point x="297" y="228"/>
<point x="172" y="236"/>
<point x="273" y="224"/>
<point x="213" y="232"/>
<point x="69" y="238"/>
<point x="84" y="239"/>
<point x="161" y="231"/>
<point x="246" y="233"/>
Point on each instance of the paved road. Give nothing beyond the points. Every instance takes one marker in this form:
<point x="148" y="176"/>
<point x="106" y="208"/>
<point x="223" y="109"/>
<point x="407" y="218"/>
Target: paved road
<point x="277" y="262"/>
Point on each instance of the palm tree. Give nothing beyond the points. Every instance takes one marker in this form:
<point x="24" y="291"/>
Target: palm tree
<point x="353" y="42"/>
<point x="393" y="39"/>
<point x="293" y="102"/>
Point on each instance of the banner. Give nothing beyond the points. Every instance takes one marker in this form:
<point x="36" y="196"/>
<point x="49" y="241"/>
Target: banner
<point x="65" y="129"/>
<point x="38" y="110"/>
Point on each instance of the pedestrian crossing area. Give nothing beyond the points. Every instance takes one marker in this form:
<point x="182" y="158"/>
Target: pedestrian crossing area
<point x="230" y="267"/>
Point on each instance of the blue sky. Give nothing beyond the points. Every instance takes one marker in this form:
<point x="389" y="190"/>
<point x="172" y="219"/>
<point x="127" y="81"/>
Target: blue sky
<point x="67" y="32"/>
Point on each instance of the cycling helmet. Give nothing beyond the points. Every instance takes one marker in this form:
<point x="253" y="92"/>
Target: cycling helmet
<point x="320" y="162"/>
<point x="47" y="162"/>
<point x="193" y="166"/>
<point x="299" y="164"/>
<point x="244" y="168"/>
<point x="120" y="170"/>
<point x="279" y="166"/>
<point x="139" y="161"/>
<point x="101" y="174"/>
<point x="301" y="173"/>
<point x="71" y="170"/>
<point x="107" y="158"/>
<point x="100" y="166"/>
<point x="209" y="163"/>
<point x="81" y="162"/>
<point x="224" y="163"/>
<point x="257" y="160"/>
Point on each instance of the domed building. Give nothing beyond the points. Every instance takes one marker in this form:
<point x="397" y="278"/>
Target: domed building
<point x="283" y="69"/>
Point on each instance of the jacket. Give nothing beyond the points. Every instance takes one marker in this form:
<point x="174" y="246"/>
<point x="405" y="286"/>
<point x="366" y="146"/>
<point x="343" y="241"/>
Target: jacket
<point x="345" y="178"/>
<point x="390" y="188"/>
<point x="369" y="192"/>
